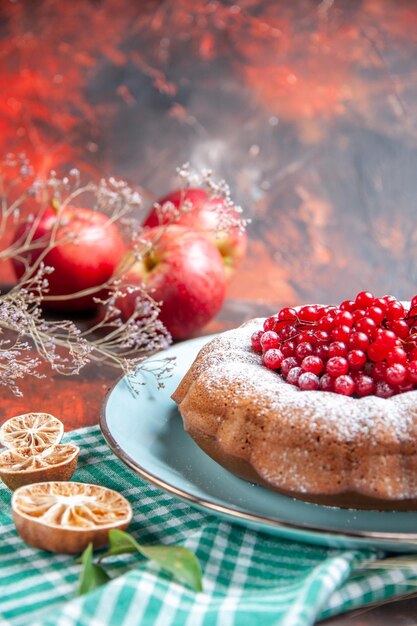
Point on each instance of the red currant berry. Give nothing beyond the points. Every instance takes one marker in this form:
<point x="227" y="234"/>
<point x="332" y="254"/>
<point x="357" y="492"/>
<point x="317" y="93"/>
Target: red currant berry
<point x="308" y="381"/>
<point x="347" y="305"/>
<point x="337" y="348"/>
<point x="337" y="366"/>
<point x="378" y="371"/>
<point x="396" y="374"/>
<point x="384" y="390"/>
<point x="287" y="315"/>
<point x="269" y="323"/>
<point x="375" y="313"/>
<point x="358" y="341"/>
<point x="326" y="383"/>
<point x="364" y="299"/>
<point x="376" y="353"/>
<point x="322" y="336"/>
<point x="364" y="385"/>
<point x="413" y="302"/>
<point x="344" y="385"/>
<point x="341" y="333"/>
<point x="293" y="375"/>
<point x="288" y="364"/>
<point x="344" y="318"/>
<point x="322" y="351"/>
<point x="405" y="387"/>
<point x="304" y="349"/>
<point x="287" y="348"/>
<point x="308" y="314"/>
<point x="356" y="359"/>
<point x="380" y="303"/>
<point x="312" y="364"/>
<point x="366" y="325"/>
<point x="358" y="314"/>
<point x="397" y="355"/>
<point x="326" y="323"/>
<point x="412" y="371"/>
<point x="395" y="311"/>
<point x="306" y="336"/>
<point x="273" y="358"/>
<point x="270" y="340"/>
<point x="385" y="338"/>
<point x="288" y="332"/>
<point x="256" y="340"/>
<point x="399" y="327"/>
<point x="389" y="299"/>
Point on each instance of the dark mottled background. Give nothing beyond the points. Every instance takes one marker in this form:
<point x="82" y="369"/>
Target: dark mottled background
<point x="307" y="108"/>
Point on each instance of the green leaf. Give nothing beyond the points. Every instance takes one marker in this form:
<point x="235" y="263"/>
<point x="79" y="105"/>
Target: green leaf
<point x="176" y="560"/>
<point x="120" y="543"/>
<point x="92" y="575"/>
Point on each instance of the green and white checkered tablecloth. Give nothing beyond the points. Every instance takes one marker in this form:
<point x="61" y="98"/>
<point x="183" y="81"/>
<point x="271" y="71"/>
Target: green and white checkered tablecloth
<point x="249" y="577"/>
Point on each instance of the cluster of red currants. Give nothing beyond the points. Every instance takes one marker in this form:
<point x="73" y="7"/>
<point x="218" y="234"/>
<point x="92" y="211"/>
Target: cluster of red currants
<point x="366" y="346"/>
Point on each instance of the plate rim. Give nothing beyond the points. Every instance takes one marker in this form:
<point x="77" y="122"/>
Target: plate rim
<point x="242" y="516"/>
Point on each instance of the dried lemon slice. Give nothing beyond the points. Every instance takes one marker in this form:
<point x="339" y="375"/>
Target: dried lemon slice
<point x="31" y="429"/>
<point x="22" y="466"/>
<point x="66" y="516"/>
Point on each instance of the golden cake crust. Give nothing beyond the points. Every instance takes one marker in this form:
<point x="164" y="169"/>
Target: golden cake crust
<point x="314" y="445"/>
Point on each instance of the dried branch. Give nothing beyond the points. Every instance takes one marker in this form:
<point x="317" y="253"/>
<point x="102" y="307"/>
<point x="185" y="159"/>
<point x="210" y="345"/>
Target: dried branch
<point x="24" y="328"/>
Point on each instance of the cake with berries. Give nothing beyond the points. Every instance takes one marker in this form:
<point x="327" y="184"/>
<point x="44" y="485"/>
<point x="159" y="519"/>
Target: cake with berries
<point x="318" y="403"/>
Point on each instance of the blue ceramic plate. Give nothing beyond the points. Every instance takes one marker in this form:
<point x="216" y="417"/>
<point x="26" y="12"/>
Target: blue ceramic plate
<point x="146" y="433"/>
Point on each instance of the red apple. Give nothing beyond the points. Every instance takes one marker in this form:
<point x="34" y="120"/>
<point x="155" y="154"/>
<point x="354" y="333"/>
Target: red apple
<point x="184" y="271"/>
<point x="203" y="217"/>
<point x="89" y="247"/>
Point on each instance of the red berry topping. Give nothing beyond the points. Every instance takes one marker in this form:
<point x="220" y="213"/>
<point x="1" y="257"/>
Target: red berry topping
<point x="356" y="359"/>
<point x="365" y="346"/>
<point x="395" y="311"/>
<point x="293" y="375"/>
<point x="364" y="385"/>
<point x="308" y="381"/>
<point x="303" y="349"/>
<point x="358" y="341"/>
<point x="273" y="358"/>
<point x="412" y="371"/>
<point x="364" y="299"/>
<point x="269" y="340"/>
<point x="287" y="348"/>
<point x="256" y="340"/>
<point x="366" y="325"/>
<point x="287" y="314"/>
<point x="341" y="333"/>
<point x="269" y="323"/>
<point x="375" y="313"/>
<point x="396" y="374"/>
<point x="312" y="364"/>
<point x="288" y="364"/>
<point x="337" y="366"/>
<point x="322" y="351"/>
<point x="397" y="355"/>
<point x="344" y="384"/>
<point x="327" y="383"/>
<point x="308" y="314"/>
<point x="337" y="348"/>
<point x="384" y="390"/>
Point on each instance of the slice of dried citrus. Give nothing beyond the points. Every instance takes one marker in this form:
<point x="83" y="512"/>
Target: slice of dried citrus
<point x="66" y="516"/>
<point x="22" y="466"/>
<point x="31" y="429"/>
